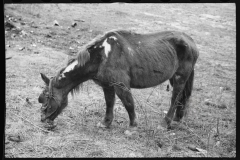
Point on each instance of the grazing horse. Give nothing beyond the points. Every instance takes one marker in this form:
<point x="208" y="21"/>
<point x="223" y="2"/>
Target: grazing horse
<point x="120" y="60"/>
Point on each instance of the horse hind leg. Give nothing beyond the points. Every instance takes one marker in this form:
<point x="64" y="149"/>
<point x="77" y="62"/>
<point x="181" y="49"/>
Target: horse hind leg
<point x="179" y="81"/>
<point x="184" y="101"/>
<point x="181" y="107"/>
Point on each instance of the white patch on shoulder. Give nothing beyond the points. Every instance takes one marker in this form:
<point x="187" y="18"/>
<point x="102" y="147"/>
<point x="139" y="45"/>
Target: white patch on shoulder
<point x="71" y="66"/>
<point x="107" y="47"/>
<point x="61" y="76"/>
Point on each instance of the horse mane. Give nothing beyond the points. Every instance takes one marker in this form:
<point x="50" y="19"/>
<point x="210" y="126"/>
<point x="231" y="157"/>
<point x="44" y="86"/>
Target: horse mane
<point x="76" y="90"/>
<point x="83" y="56"/>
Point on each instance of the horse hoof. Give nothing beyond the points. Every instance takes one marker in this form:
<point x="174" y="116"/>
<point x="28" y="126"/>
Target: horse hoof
<point x="165" y="124"/>
<point x="133" y="125"/>
<point x="133" y="128"/>
<point x="100" y="125"/>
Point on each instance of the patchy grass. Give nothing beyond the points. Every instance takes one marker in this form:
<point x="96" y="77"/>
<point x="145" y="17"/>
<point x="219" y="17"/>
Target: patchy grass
<point x="209" y="128"/>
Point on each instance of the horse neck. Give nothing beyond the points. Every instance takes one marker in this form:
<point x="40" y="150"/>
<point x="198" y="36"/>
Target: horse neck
<point x="81" y="74"/>
<point x="73" y="83"/>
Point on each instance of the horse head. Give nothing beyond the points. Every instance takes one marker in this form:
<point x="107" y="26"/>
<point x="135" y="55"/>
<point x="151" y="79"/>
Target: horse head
<point x="52" y="98"/>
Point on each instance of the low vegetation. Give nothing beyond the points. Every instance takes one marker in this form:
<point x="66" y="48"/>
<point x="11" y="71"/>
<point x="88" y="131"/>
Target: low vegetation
<point x="36" y="43"/>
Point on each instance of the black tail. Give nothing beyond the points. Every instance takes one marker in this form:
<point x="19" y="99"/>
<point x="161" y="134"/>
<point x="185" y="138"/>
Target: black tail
<point x="189" y="85"/>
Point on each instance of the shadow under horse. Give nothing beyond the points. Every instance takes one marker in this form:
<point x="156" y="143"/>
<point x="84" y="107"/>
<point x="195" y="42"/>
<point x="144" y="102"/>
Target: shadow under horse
<point x="120" y="60"/>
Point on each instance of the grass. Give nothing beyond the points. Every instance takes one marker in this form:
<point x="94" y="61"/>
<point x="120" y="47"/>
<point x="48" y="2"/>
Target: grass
<point x="90" y="115"/>
<point x="207" y="126"/>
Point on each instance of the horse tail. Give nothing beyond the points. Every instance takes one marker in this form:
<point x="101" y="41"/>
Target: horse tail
<point x="189" y="85"/>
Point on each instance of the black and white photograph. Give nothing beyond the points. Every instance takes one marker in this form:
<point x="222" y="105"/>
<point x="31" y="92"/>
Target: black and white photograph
<point x="120" y="80"/>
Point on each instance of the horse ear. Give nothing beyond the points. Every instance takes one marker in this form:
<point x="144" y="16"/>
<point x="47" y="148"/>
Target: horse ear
<point x="45" y="78"/>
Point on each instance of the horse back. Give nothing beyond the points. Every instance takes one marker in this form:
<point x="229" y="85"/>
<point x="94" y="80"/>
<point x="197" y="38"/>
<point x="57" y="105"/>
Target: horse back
<point x="146" y="60"/>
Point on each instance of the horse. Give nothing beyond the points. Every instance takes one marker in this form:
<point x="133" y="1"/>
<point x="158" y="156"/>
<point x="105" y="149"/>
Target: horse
<point x="119" y="60"/>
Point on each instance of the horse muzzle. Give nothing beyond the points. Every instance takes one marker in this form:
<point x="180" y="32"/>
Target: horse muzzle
<point x="48" y="124"/>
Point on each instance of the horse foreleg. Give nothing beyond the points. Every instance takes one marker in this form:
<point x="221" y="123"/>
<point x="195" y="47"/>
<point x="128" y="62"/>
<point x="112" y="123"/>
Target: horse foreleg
<point x="109" y="95"/>
<point x="127" y="100"/>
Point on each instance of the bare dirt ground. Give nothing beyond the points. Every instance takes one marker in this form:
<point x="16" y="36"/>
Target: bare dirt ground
<point x="36" y="45"/>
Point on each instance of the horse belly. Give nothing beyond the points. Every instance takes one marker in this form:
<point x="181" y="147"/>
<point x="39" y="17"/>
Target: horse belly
<point x="145" y="78"/>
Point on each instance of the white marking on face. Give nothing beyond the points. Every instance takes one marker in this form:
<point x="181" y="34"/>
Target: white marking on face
<point x="70" y="67"/>
<point x="107" y="47"/>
